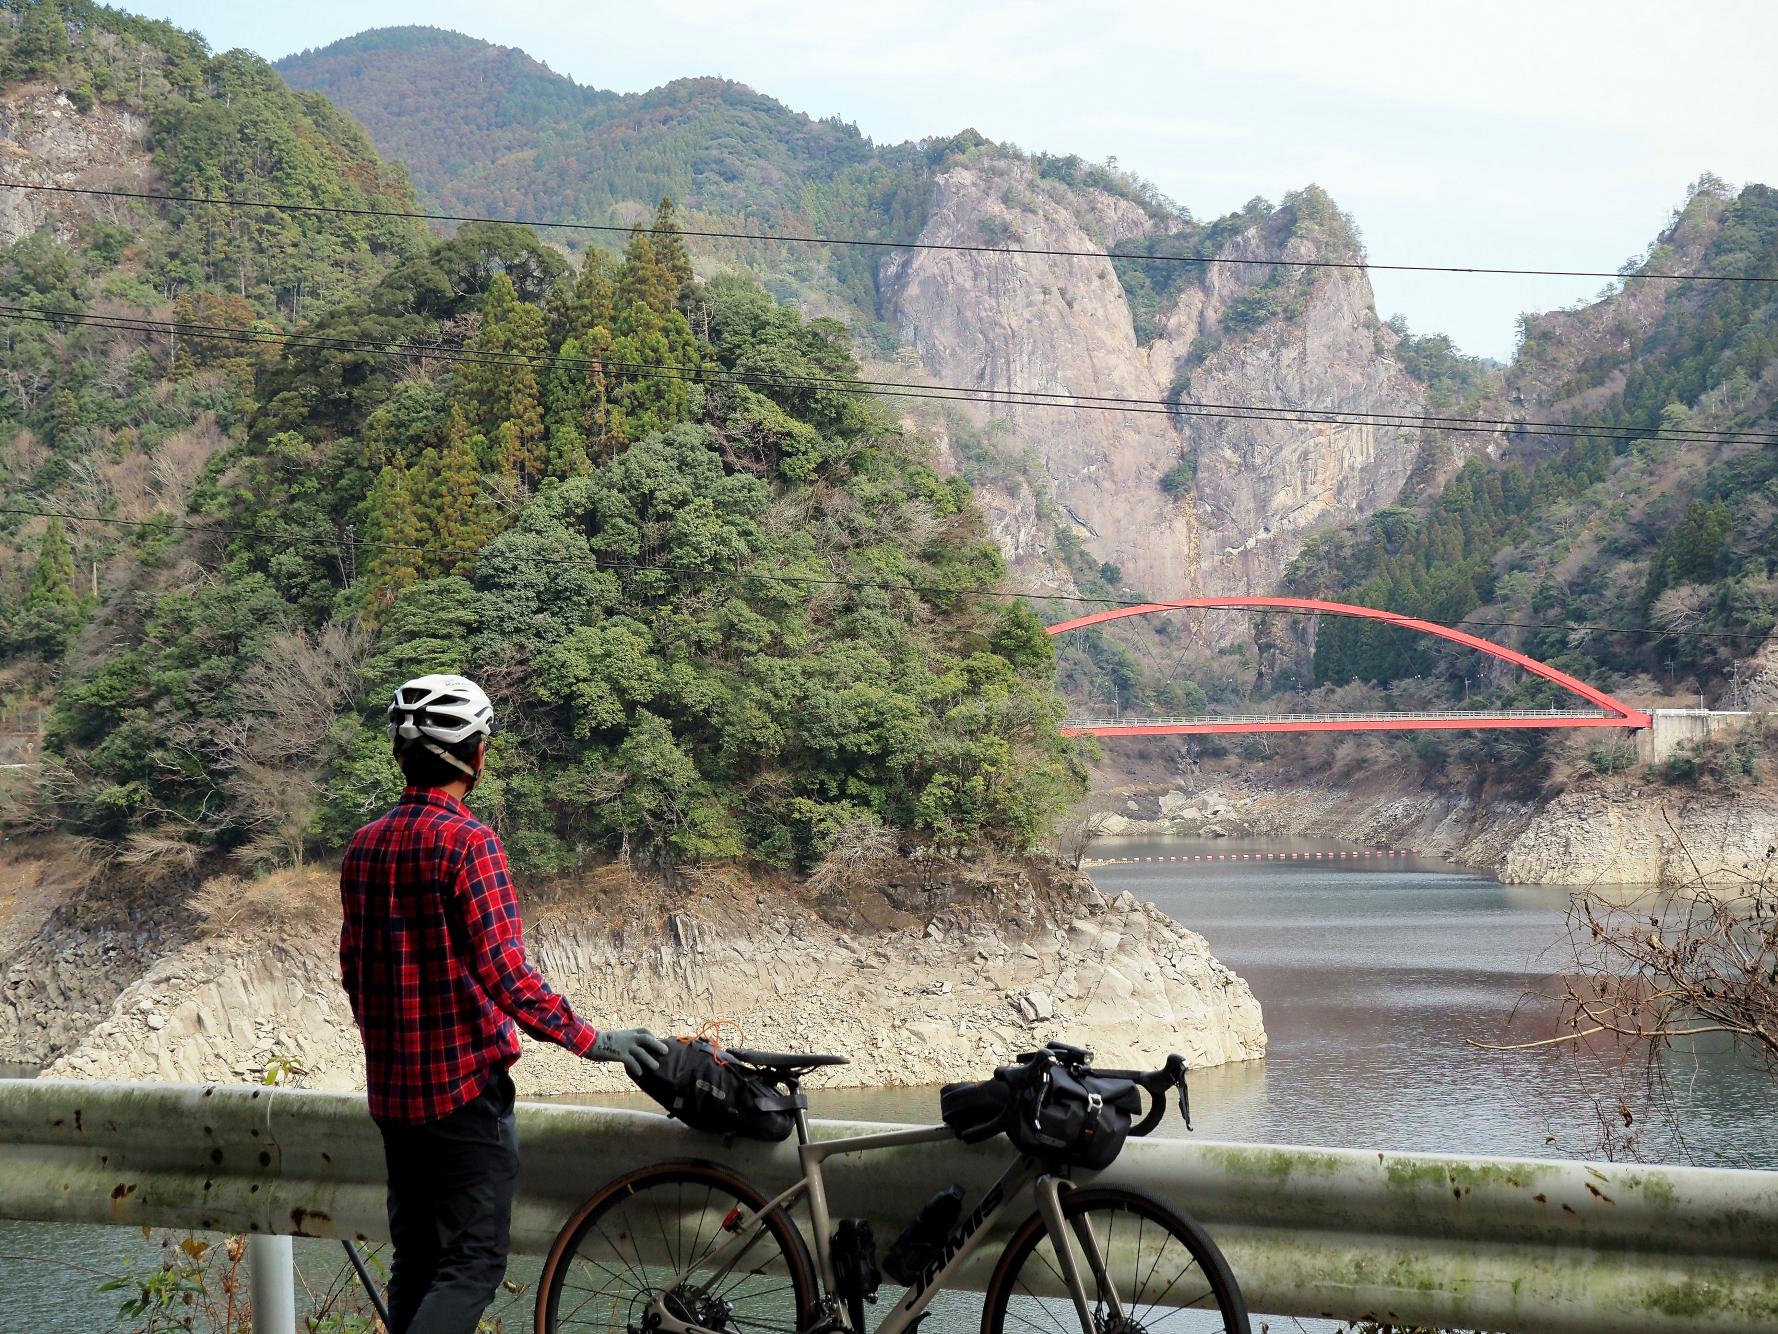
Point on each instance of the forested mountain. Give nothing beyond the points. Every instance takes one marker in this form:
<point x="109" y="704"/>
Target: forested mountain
<point x="697" y="606"/>
<point x="122" y="426"/>
<point x="487" y="130"/>
<point x="1089" y="501"/>
<point x="390" y="449"/>
<point x="1674" y="542"/>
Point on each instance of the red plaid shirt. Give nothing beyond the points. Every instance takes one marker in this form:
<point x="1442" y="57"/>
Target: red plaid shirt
<point x="434" y="962"/>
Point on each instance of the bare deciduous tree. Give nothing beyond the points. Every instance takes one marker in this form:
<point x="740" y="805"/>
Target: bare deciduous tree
<point x="1682" y="608"/>
<point x="1651" y="976"/>
<point x="1078" y="833"/>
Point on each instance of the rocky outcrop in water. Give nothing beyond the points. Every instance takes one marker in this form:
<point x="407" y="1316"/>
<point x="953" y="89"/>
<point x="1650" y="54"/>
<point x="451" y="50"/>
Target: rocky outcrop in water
<point x="922" y="978"/>
<point x="1599" y="832"/>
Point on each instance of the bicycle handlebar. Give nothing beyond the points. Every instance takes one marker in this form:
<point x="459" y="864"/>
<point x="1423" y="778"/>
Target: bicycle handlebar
<point x="1156" y="1083"/>
<point x="1153" y="1082"/>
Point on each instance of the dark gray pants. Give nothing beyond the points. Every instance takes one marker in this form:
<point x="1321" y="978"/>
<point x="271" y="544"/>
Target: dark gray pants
<point x="450" y="1212"/>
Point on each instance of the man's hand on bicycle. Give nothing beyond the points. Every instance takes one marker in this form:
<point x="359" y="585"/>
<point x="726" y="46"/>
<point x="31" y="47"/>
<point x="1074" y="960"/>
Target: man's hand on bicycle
<point x="638" y="1049"/>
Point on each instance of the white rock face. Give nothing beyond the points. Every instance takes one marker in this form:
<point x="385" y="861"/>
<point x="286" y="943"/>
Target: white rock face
<point x="995" y="321"/>
<point x="1670" y="840"/>
<point x="1603" y="833"/>
<point x="1010" y="966"/>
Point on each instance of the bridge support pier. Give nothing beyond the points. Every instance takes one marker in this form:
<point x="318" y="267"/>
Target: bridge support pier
<point x="271" y="1275"/>
<point x="1674" y="728"/>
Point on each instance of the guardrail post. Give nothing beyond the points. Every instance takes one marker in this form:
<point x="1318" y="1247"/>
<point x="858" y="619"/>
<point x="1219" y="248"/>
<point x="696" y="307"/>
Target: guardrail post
<point x="271" y="1270"/>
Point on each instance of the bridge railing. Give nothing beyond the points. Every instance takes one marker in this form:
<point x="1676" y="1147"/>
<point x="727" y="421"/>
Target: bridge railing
<point x="1439" y="715"/>
<point x="1477" y="1243"/>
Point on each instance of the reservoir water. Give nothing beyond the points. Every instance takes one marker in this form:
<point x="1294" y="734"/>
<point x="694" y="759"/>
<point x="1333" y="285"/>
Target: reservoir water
<point x="1374" y="977"/>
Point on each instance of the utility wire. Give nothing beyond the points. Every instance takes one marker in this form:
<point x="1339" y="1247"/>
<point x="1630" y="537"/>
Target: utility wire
<point x="878" y="585"/>
<point x="416" y="215"/>
<point x="890" y="388"/>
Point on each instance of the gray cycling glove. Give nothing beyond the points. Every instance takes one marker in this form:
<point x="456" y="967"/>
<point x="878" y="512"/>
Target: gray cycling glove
<point x="637" y="1048"/>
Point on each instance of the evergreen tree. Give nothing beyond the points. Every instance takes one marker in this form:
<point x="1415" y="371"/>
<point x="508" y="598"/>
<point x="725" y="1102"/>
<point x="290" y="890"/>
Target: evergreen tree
<point x="670" y="251"/>
<point x="64" y="417"/>
<point x="51" y="608"/>
<point x="567" y="390"/>
<point x="652" y="359"/>
<point x="52" y="578"/>
<point x="449" y="506"/>
<point x="525" y="417"/>
<point x="504" y="387"/>
<point x="595" y="300"/>
<point x="392" y="534"/>
<point x="644" y="279"/>
<point x="567" y="452"/>
<point x="42" y="44"/>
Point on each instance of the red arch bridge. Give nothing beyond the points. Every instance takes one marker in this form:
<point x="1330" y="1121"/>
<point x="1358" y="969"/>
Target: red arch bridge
<point x="1601" y="709"/>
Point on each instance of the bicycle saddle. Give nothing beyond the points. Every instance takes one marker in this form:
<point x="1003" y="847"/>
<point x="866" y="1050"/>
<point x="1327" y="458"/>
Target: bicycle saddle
<point x="777" y="1060"/>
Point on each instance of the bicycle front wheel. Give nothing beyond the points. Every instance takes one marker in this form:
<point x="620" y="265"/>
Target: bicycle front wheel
<point x="1143" y="1266"/>
<point x="679" y="1231"/>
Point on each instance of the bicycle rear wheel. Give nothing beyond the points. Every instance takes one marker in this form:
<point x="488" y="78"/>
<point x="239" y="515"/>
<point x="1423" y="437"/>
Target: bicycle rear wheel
<point x="1145" y="1267"/>
<point x="631" y="1240"/>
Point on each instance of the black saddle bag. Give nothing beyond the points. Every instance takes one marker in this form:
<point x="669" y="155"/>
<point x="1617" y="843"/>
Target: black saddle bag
<point x="710" y="1090"/>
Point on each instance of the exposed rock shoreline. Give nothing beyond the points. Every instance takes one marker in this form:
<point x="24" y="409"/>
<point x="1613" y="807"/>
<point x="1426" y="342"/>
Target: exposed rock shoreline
<point x="936" y="974"/>
<point x="1607" y="832"/>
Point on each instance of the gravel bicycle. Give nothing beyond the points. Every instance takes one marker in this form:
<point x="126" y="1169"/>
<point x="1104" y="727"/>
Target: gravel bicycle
<point x="689" y="1247"/>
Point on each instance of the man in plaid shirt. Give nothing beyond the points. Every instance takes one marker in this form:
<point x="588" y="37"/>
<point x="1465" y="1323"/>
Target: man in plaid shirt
<point x="434" y="964"/>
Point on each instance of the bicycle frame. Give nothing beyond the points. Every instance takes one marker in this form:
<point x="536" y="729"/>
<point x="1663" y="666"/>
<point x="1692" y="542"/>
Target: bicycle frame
<point x="964" y="1241"/>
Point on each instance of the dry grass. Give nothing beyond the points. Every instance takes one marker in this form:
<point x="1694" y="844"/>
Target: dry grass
<point x="282" y="901"/>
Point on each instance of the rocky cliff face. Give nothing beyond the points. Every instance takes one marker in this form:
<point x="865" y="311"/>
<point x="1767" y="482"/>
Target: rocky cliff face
<point x="1603" y="831"/>
<point x="919" y="980"/>
<point x="997" y="322"/>
<point x="44" y="140"/>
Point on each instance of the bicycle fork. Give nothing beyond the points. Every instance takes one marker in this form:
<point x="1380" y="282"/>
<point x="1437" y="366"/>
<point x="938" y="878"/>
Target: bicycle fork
<point x="1049" y="1205"/>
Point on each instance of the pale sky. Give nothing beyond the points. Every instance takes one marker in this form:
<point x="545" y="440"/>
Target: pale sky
<point x="1506" y="133"/>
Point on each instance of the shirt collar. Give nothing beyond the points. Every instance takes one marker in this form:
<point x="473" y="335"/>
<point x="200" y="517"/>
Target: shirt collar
<point x="433" y="796"/>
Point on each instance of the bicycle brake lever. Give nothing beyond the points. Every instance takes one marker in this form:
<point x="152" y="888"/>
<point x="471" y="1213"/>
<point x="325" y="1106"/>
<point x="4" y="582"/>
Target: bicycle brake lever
<point x="1185" y="1101"/>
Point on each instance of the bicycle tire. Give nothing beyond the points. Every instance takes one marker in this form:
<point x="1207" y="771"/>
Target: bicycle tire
<point x="1177" y="1243"/>
<point x="614" y="1304"/>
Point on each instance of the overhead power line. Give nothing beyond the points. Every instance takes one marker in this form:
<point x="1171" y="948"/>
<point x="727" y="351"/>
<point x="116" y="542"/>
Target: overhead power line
<point x="870" y="243"/>
<point x="341" y="543"/>
<point x="1003" y="398"/>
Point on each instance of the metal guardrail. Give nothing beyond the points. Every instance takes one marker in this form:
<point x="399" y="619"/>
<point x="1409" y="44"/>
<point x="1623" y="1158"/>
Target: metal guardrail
<point x="1458" y="715"/>
<point x="1504" y="1244"/>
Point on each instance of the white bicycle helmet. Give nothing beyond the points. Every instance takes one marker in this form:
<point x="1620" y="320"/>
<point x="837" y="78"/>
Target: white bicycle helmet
<point x="439" y="711"/>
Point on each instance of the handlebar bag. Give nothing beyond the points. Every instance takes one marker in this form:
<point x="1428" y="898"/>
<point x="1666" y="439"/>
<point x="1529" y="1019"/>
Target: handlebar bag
<point x="1069" y="1115"/>
<point x="710" y="1090"/>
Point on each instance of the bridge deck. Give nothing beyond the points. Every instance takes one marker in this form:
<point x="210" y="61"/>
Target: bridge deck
<point x="1347" y="722"/>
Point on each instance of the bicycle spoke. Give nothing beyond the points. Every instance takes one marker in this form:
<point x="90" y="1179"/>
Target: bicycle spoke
<point x="1061" y="1282"/>
<point x="698" y="1237"/>
<point x="637" y="1272"/>
<point x="1152" y="1266"/>
<point x="591" y="1298"/>
<point x="1170" y="1285"/>
<point x="661" y="1237"/>
<point x="1106" y="1261"/>
<point x="1043" y="1306"/>
<point x="1167" y="1277"/>
<point x="582" y="1258"/>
